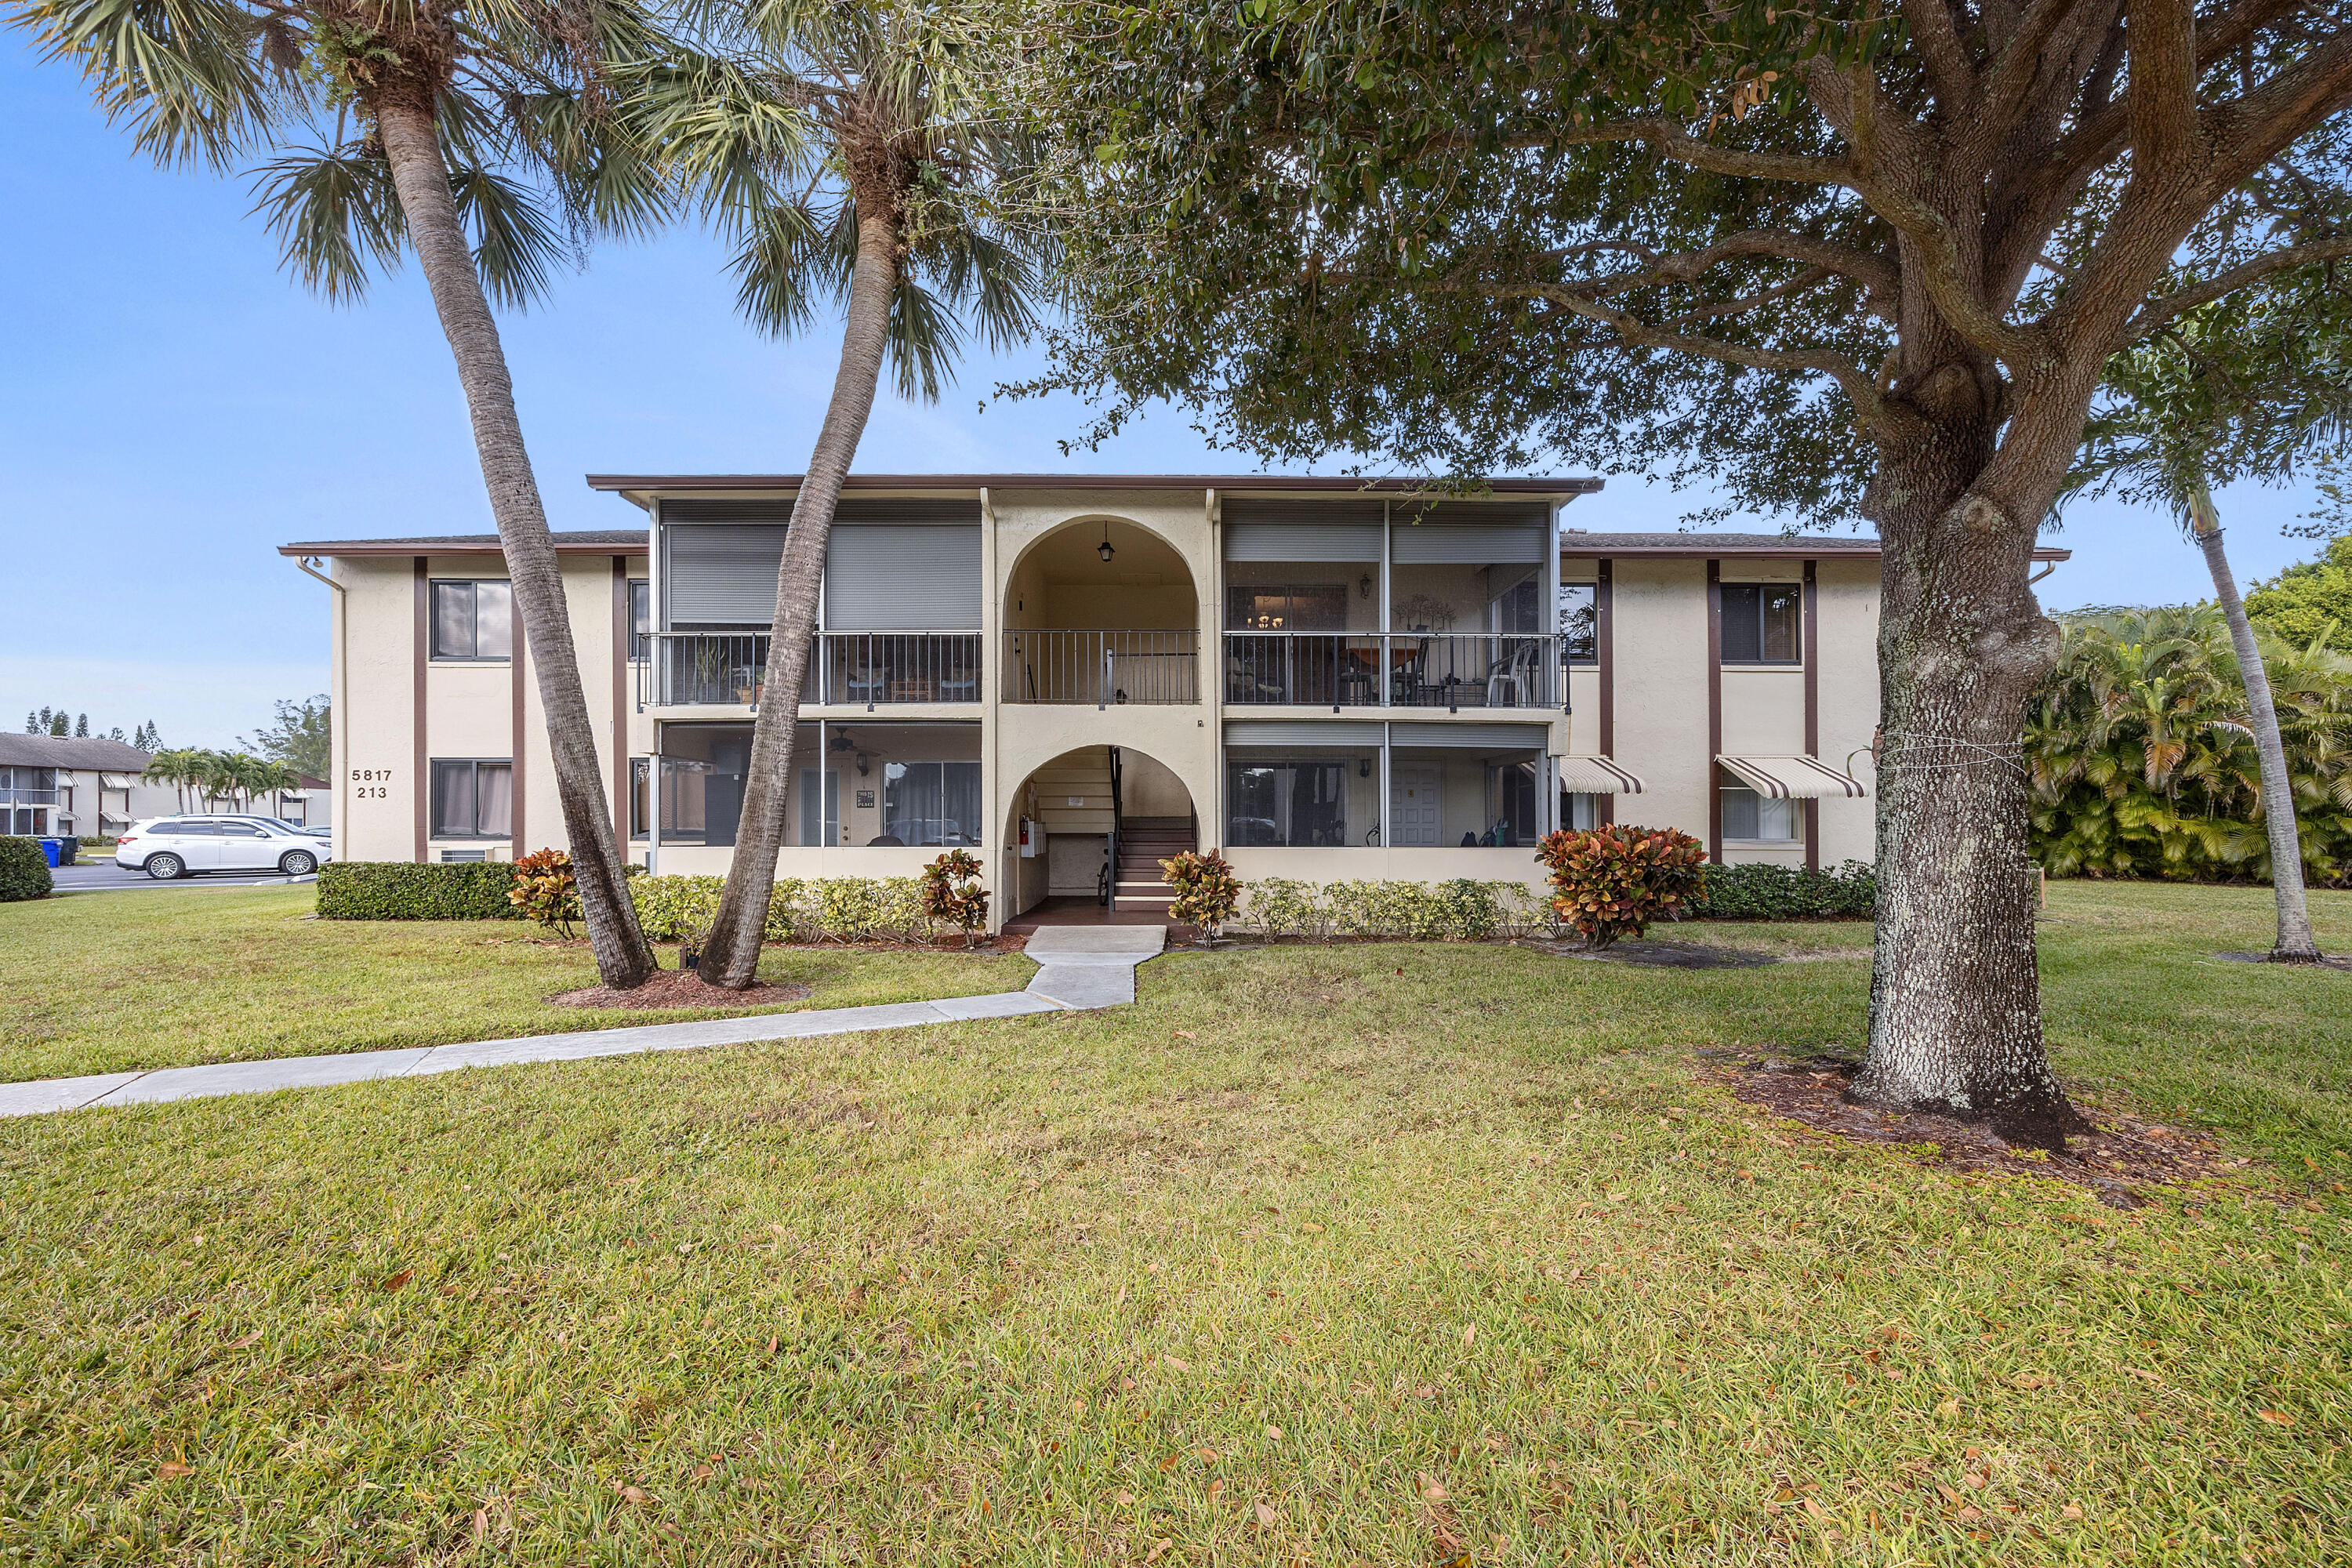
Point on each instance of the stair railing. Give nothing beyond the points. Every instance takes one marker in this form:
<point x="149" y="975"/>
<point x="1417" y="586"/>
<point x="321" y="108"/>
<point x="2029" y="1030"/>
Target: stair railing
<point x="1115" y="809"/>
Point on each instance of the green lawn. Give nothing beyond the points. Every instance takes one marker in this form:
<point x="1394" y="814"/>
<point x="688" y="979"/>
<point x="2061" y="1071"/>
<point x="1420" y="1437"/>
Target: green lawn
<point x="1378" y="1253"/>
<point x="169" y="977"/>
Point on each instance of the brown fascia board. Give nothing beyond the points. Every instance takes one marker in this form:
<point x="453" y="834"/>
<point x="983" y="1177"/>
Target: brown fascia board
<point x="636" y="486"/>
<point x="1593" y="546"/>
<point x="634" y="544"/>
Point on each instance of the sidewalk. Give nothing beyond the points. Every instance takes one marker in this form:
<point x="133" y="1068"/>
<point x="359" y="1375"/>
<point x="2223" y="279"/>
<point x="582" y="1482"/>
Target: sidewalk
<point x="1079" y="969"/>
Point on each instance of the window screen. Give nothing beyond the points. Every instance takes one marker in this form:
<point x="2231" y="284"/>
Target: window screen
<point x="1748" y="815"/>
<point x="641" y="619"/>
<point x="1287" y="607"/>
<point x="1579" y="624"/>
<point x="932" y="802"/>
<point x="473" y="799"/>
<point x="1759" y="623"/>
<point x="473" y="620"/>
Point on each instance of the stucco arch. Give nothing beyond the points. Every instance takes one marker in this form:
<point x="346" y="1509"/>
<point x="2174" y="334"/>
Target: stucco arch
<point x="1057" y="579"/>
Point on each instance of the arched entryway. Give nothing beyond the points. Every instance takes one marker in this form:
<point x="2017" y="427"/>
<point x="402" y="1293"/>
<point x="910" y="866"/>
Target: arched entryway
<point x="1101" y="611"/>
<point x="1087" y="833"/>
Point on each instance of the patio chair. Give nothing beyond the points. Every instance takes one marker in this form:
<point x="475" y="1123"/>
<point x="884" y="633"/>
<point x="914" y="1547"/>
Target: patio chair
<point x="1515" y="671"/>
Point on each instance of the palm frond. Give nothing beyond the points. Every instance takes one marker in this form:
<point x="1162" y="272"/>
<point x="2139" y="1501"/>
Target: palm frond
<point x="335" y="217"/>
<point x="516" y="247"/>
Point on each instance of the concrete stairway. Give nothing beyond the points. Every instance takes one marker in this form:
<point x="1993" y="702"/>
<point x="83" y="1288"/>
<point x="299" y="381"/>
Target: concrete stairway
<point x="1143" y="843"/>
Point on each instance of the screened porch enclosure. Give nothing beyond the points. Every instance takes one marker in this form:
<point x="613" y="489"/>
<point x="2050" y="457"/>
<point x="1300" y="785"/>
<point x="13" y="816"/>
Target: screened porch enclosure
<point x="877" y="785"/>
<point x="1367" y="604"/>
<point x="898" y="609"/>
<point x="1419" y="786"/>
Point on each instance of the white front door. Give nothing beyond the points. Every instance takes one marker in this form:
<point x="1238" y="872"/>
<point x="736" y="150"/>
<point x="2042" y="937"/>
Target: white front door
<point x="1415" y="804"/>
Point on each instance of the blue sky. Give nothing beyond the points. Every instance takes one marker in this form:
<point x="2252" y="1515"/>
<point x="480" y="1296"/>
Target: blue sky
<point x="174" y="409"/>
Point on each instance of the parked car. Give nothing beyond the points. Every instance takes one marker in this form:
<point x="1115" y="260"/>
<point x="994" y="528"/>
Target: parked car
<point x="170" y="847"/>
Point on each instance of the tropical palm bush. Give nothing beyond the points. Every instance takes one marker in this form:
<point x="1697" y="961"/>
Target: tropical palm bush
<point x="2141" y="762"/>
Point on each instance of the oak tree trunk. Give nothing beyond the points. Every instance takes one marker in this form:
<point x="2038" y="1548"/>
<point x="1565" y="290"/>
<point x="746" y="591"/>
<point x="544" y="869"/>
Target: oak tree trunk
<point x="730" y="953"/>
<point x="412" y="146"/>
<point x="1955" y="1003"/>
<point x="2295" y="944"/>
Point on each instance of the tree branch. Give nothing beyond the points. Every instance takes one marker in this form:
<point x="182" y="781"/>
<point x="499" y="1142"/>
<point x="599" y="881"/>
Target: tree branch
<point x="1875" y="273"/>
<point x="2158" y="312"/>
<point x="2161" y="94"/>
<point x="1857" y="385"/>
<point x="1951" y="74"/>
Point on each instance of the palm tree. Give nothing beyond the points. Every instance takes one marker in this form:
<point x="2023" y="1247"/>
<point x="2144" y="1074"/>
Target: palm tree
<point x="2245" y="388"/>
<point x="178" y="767"/>
<point x="847" y="148"/>
<point x="472" y="116"/>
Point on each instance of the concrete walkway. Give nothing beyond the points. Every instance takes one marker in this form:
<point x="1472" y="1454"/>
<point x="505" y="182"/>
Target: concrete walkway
<point x="1079" y="969"/>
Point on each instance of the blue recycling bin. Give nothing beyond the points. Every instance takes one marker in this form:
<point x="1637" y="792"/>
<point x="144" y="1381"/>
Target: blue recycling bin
<point x="49" y="850"/>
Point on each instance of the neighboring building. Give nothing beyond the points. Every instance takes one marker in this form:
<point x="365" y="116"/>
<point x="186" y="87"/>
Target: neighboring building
<point x="62" y="788"/>
<point x="1391" y="689"/>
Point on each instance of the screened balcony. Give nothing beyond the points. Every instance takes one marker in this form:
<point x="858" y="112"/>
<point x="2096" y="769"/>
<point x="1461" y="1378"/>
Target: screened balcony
<point x="1347" y="669"/>
<point x="868" y="669"/>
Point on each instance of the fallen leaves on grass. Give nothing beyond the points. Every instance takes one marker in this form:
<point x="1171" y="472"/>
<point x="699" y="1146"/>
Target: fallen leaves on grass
<point x="394" y="1281"/>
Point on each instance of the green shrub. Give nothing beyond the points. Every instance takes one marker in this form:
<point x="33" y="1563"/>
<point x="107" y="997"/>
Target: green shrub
<point x="850" y="909"/>
<point x="1470" y="909"/>
<point x="1280" y="907"/>
<point x="672" y="909"/>
<point x="1611" y="882"/>
<point x="1785" y="893"/>
<point x="1388" y="909"/>
<point x="24" y="870"/>
<point x="396" y="890"/>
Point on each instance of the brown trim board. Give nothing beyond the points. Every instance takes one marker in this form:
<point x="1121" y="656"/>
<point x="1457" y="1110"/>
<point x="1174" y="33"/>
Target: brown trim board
<point x="621" y="633"/>
<point x="1811" y="634"/>
<point x="1604" y="648"/>
<point x="515" y="791"/>
<point x="421" y="767"/>
<point x="1714" y="711"/>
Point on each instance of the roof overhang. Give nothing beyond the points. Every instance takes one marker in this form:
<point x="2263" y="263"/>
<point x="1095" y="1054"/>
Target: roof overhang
<point x="1595" y="546"/>
<point x="642" y="489"/>
<point x="348" y="549"/>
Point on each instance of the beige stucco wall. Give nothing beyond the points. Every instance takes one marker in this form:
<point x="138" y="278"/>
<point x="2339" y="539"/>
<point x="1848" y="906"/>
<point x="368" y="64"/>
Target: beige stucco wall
<point x="379" y="783"/>
<point x="1659" y="656"/>
<point x="1848" y="598"/>
<point x="1375" y="865"/>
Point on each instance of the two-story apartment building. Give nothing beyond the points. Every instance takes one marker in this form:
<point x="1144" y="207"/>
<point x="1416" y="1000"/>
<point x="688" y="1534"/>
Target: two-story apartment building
<point x="1322" y="679"/>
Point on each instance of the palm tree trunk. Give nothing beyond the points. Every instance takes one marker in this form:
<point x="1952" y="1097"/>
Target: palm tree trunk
<point x="731" y="954"/>
<point x="412" y="146"/>
<point x="2295" y="944"/>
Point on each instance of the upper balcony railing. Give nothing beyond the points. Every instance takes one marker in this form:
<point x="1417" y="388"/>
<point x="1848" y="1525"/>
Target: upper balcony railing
<point x="871" y="669"/>
<point x="1402" y="670"/>
<point x="29" y="797"/>
<point x="1103" y="668"/>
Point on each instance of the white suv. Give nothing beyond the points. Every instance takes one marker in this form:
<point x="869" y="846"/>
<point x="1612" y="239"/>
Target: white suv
<point x="170" y="847"/>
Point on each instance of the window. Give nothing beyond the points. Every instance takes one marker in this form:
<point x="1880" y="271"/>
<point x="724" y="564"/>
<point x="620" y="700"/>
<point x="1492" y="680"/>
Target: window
<point x="641" y="619"/>
<point x="1290" y="802"/>
<point x="1579" y="622"/>
<point x="1759" y="623"/>
<point x="1751" y="818"/>
<point x="1520" y="607"/>
<point x="473" y="620"/>
<point x="932" y="802"/>
<point x="1287" y="607"/>
<point x="1512" y="792"/>
<point x="1580" y="812"/>
<point x="473" y="799"/>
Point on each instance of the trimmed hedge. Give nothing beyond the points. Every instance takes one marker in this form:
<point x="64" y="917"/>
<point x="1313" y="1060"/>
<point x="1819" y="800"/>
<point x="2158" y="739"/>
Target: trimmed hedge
<point x="1785" y="893"/>
<point x="24" y="870"/>
<point x="396" y="890"/>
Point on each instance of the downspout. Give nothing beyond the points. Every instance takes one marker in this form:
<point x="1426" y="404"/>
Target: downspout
<point x="336" y="687"/>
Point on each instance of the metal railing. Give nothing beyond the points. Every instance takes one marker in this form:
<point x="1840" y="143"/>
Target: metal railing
<point x="871" y="669"/>
<point x="1402" y="670"/>
<point x="1102" y="668"/>
<point x="29" y="796"/>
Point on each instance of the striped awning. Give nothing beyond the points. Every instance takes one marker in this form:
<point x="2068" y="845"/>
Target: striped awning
<point x="114" y="781"/>
<point x="1794" y="778"/>
<point x="1597" y="775"/>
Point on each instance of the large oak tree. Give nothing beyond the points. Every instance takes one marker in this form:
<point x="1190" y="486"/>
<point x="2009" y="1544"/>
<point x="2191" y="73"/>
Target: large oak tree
<point x="1850" y="256"/>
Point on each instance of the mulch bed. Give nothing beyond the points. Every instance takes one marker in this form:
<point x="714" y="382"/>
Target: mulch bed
<point x="673" y="988"/>
<point x="2120" y="1153"/>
